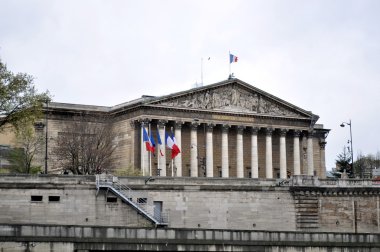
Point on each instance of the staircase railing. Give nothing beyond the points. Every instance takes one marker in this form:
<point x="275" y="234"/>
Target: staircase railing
<point x="137" y="200"/>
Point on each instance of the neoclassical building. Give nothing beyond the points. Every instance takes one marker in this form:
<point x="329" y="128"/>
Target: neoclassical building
<point x="226" y="129"/>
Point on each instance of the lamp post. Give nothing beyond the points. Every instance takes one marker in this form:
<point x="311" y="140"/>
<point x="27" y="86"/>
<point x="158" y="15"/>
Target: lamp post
<point x="46" y="137"/>
<point x="352" y="152"/>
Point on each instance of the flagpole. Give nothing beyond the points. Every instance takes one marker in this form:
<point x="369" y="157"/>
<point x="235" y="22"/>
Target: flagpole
<point x="158" y="154"/>
<point x="202" y="71"/>
<point x="142" y="149"/>
<point x="150" y="154"/>
<point x="229" y="60"/>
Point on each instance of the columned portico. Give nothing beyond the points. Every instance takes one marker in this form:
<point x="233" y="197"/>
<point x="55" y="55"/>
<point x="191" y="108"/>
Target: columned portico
<point x="193" y="150"/>
<point x="239" y="152"/>
<point x="296" y="152"/>
<point x="209" y="152"/>
<point x="283" y="153"/>
<point x="254" y="153"/>
<point x="268" y="154"/>
<point x="178" y="158"/>
<point x="225" y="160"/>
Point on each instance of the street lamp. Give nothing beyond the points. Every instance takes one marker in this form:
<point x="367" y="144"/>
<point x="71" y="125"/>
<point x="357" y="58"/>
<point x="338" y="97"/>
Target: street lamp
<point x="352" y="152"/>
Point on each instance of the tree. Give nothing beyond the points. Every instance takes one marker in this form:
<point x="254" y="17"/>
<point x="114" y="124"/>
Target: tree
<point x="85" y="147"/>
<point x="29" y="145"/>
<point x="343" y="164"/>
<point x="19" y="99"/>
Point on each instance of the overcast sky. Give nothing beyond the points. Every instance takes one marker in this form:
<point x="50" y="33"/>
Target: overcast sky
<point x="322" y="56"/>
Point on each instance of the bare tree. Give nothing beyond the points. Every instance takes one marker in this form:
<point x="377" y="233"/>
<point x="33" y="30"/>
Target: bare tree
<point x="29" y="145"/>
<point x="85" y="147"/>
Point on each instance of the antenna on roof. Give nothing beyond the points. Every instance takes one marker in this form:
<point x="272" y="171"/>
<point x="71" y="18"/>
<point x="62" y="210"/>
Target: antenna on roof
<point x="201" y="84"/>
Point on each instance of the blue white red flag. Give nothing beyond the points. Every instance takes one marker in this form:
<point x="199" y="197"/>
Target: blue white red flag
<point x="149" y="144"/>
<point x="233" y="58"/>
<point x="171" y="143"/>
<point x="159" y="143"/>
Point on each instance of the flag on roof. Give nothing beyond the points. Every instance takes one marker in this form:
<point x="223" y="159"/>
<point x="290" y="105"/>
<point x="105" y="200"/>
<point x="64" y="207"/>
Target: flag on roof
<point x="149" y="144"/>
<point x="171" y="143"/>
<point x="233" y="58"/>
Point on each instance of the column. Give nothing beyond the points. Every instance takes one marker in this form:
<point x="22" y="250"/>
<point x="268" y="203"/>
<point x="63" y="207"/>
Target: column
<point x="178" y="158"/>
<point x="143" y="152"/>
<point x="268" y="154"/>
<point x="239" y="152"/>
<point x="254" y="153"/>
<point x="283" y="174"/>
<point x="134" y="132"/>
<point x="209" y="152"/>
<point x="193" y="150"/>
<point x="225" y="162"/>
<point x="310" y="156"/>
<point x="162" y="159"/>
<point x="322" y="145"/>
<point x="296" y="153"/>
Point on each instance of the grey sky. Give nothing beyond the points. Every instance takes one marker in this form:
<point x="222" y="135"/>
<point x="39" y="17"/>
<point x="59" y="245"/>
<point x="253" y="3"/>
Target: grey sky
<point x="322" y="56"/>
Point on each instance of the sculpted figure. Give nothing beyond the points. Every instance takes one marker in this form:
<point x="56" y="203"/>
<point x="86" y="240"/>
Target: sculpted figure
<point x="234" y="97"/>
<point x="207" y="100"/>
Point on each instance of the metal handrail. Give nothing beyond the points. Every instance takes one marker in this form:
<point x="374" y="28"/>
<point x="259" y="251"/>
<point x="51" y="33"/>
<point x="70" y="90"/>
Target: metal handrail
<point x="133" y="198"/>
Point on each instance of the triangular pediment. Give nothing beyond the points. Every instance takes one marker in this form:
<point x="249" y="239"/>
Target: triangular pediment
<point x="231" y="96"/>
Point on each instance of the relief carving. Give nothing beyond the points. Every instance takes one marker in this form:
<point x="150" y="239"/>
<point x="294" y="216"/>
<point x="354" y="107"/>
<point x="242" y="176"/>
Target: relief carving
<point x="230" y="99"/>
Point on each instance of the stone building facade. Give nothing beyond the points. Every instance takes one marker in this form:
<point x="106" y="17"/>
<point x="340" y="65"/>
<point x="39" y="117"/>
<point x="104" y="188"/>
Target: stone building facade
<point x="227" y="129"/>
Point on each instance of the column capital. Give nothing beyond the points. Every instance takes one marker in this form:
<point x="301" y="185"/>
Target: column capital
<point x="144" y="121"/>
<point x="161" y="123"/>
<point x="322" y="144"/>
<point x="225" y="128"/>
<point x="283" y="132"/>
<point x="296" y="133"/>
<point x="178" y="124"/>
<point x="255" y="130"/>
<point x="310" y="133"/>
<point x="269" y="131"/>
<point x="194" y="125"/>
<point x="210" y="126"/>
<point x="240" y="129"/>
<point x="134" y="124"/>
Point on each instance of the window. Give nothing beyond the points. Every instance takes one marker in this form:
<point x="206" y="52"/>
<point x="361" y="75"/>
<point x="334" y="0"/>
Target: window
<point x="36" y="198"/>
<point x="54" y="198"/>
<point x="142" y="200"/>
<point x="111" y="199"/>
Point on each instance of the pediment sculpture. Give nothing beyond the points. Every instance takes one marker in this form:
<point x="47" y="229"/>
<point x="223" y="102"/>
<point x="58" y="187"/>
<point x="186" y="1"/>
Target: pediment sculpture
<point x="231" y="99"/>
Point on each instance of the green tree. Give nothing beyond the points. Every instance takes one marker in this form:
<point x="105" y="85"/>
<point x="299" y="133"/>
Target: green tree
<point x="343" y="163"/>
<point x="19" y="99"/>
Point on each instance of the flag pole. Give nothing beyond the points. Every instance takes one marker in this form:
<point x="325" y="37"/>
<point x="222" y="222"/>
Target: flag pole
<point x="142" y="149"/>
<point x="150" y="154"/>
<point x="229" y="60"/>
<point x="158" y="154"/>
<point x="202" y="71"/>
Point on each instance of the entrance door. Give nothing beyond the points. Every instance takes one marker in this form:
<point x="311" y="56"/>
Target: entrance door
<point x="157" y="210"/>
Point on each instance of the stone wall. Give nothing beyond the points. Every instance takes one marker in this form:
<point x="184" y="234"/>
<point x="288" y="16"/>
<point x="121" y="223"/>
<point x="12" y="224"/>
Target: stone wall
<point x="302" y="204"/>
<point x="62" y="201"/>
<point x="87" y="238"/>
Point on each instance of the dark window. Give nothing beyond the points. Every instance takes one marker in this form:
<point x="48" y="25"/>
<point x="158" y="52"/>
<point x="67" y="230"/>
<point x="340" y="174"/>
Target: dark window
<point x="54" y="198"/>
<point x="111" y="199"/>
<point x="36" y="198"/>
<point x="142" y="200"/>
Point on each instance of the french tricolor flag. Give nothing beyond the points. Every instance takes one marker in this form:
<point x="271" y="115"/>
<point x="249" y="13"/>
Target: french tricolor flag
<point x="149" y="144"/>
<point x="233" y="58"/>
<point x="171" y="143"/>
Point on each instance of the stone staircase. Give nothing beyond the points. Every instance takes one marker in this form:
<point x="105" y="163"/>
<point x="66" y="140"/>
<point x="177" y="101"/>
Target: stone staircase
<point x="307" y="210"/>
